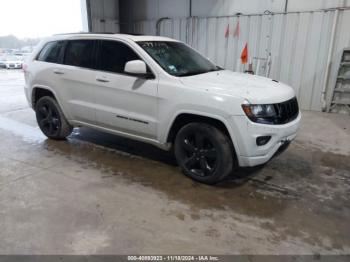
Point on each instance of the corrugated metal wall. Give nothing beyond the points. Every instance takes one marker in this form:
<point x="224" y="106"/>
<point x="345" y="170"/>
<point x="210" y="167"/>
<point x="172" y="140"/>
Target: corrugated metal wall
<point x="104" y="15"/>
<point x="298" y="44"/>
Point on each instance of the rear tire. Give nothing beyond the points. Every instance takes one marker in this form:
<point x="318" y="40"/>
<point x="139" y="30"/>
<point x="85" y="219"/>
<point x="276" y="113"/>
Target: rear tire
<point x="204" y="153"/>
<point x="51" y="120"/>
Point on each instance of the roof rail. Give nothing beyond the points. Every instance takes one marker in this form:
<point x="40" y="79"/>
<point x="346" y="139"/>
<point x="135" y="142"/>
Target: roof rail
<point x="87" y="33"/>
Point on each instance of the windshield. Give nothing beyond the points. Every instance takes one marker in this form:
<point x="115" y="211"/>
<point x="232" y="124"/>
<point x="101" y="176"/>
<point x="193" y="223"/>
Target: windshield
<point x="178" y="59"/>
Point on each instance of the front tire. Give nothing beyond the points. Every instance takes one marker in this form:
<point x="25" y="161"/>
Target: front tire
<point x="204" y="153"/>
<point x="51" y="120"/>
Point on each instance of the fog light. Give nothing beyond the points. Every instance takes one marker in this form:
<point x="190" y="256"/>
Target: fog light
<point x="262" y="140"/>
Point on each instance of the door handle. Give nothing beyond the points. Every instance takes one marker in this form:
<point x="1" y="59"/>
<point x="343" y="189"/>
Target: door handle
<point x="102" y="79"/>
<point x="58" y="72"/>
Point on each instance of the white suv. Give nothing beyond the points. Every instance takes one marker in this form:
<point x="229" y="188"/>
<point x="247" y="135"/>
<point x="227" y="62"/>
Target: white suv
<point x="160" y="91"/>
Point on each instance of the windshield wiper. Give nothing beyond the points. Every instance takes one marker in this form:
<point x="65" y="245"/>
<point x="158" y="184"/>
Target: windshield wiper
<point x="200" y="72"/>
<point x="193" y="73"/>
<point x="216" y="69"/>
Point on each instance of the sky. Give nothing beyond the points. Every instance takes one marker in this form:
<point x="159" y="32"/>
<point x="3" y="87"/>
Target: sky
<point x="39" y="18"/>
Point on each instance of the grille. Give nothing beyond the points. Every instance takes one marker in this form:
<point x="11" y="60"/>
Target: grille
<point x="287" y="111"/>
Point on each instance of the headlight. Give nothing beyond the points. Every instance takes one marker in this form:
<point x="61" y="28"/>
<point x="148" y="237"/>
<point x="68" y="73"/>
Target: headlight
<point x="265" y="114"/>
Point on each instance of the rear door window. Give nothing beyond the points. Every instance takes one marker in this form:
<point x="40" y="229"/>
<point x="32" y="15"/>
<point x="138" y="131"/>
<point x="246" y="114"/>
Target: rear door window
<point x="113" y="56"/>
<point x="80" y="53"/>
<point x="52" y="52"/>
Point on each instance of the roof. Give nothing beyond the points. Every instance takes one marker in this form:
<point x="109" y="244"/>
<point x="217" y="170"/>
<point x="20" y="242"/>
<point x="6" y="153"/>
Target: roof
<point x="134" y="38"/>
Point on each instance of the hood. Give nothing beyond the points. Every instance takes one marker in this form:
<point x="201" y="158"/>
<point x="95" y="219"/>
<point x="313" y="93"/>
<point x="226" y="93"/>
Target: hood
<point x="255" y="89"/>
<point x="13" y="62"/>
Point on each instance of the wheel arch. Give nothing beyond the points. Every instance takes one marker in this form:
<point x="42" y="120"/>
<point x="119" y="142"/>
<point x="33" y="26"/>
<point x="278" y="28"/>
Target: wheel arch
<point x="40" y="91"/>
<point x="184" y="118"/>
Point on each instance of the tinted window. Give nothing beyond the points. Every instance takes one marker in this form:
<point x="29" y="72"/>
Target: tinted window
<point x="114" y="55"/>
<point x="51" y="52"/>
<point x="79" y="53"/>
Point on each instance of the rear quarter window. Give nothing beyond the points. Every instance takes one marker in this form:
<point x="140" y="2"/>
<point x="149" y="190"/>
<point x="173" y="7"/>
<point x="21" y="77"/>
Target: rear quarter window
<point x="52" y="52"/>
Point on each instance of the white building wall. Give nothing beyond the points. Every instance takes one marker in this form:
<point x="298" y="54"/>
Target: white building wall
<point x="84" y="16"/>
<point x="230" y="7"/>
<point x="154" y="9"/>
<point x="302" y="5"/>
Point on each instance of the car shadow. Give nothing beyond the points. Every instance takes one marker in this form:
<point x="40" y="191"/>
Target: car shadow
<point x="125" y="145"/>
<point x="237" y="178"/>
<point x="140" y="164"/>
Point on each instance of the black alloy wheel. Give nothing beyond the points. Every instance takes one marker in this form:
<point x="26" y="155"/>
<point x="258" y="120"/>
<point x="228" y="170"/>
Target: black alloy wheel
<point x="51" y="119"/>
<point x="204" y="152"/>
<point x="48" y="119"/>
<point x="200" y="156"/>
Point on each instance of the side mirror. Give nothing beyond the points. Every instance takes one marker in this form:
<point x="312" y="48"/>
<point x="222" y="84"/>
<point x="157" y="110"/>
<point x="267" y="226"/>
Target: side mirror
<point x="137" y="68"/>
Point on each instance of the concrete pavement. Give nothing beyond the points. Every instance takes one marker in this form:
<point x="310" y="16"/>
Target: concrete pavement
<point x="100" y="194"/>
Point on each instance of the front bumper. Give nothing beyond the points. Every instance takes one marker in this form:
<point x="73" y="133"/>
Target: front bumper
<point x="245" y="132"/>
<point x="14" y="66"/>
